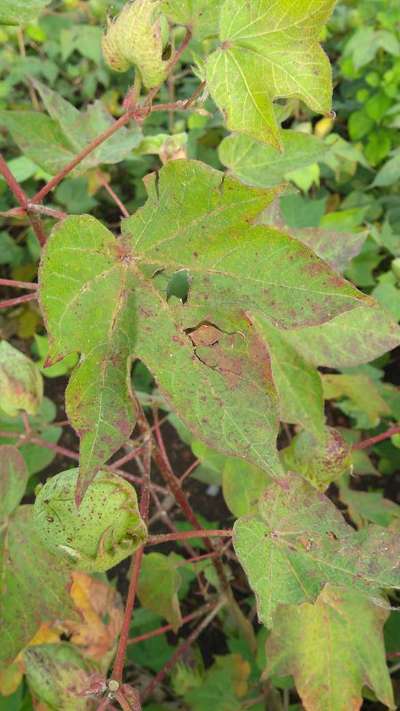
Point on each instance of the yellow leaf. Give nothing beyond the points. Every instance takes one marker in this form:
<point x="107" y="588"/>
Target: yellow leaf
<point x="101" y="614"/>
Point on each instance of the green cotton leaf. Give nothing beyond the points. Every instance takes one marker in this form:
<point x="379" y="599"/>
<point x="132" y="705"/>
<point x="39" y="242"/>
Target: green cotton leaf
<point x="223" y="687"/>
<point x="350" y="339"/>
<point x="21" y="384"/>
<point x="336" y="247"/>
<point x="104" y="298"/>
<point x="58" y="676"/>
<point x="34" y="585"/>
<point x="20" y="12"/>
<point x="369" y="506"/>
<point x="269" y="51"/>
<point x="158" y="587"/>
<point x="267" y="272"/>
<point x="362" y="392"/>
<point x="298" y="383"/>
<point x="299" y="541"/>
<point x="321" y="459"/>
<point x="260" y="165"/>
<point x="332" y="648"/>
<point x="13" y="479"/>
<point x="242" y="486"/>
<point x="53" y="141"/>
<point x="36" y="457"/>
<point x="200" y="15"/>
<point x="87" y="294"/>
<point x="389" y="174"/>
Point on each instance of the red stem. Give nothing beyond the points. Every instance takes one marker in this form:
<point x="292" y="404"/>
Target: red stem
<point x="22" y="199"/>
<point x="169" y="628"/>
<point x="19" y="284"/>
<point x="118" y="668"/>
<point x="8" y="303"/>
<point x="114" y="197"/>
<point x="56" y="180"/>
<point x="187" y="535"/>
<point x="365" y="443"/>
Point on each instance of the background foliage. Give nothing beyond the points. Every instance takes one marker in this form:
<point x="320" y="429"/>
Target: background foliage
<point x="343" y="200"/>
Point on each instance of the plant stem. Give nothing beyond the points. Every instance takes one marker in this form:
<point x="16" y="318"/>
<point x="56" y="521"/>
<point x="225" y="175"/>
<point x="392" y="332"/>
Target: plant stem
<point x="137" y="559"/>
<point x="56" y="180"/>
<point x="113" y="195"/>
<point x="181" y="650"/>
<point x="8" y="303"/>
<point x="22" y="199"/>
<point x="14" y="284"/>
<point x="365" y="443"/>
<point x="187" y="535"/>
<point x="162" y="461"/>
<point x="168" y="628"/>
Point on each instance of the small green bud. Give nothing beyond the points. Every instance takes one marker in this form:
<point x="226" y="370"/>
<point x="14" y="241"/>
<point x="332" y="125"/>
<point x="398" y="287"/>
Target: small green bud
<point x="135" y="38"/>
<point x="105" y="529"/>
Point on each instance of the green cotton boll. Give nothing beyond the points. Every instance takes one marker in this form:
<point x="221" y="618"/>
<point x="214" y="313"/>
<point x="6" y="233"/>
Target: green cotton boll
<point x="105" y="529"/>
<point x="135" y="38"/>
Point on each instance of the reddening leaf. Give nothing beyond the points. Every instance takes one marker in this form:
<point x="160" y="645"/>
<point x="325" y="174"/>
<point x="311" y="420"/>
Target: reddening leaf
<point x="200" y="15"/>
<point x="349" y="339"/>
<point x="335" y="247"/>
<point x="269" y="50"/>
<point x="13" y="479"/>
<point x="20" y="12"/>
<point x="333" y="648"/>
<point x="158" y="587"/>
<point x="103" y="298"/>
<point x="58" y="676"/>
<point x="321" y="460"/>
<point x="21" y="385"/>
<point x="242" y="486"/>
<point x="101" y="614"/>
<point x="213" y="384"/>
<point x="34" y="587"/>
<point x="361" y="390"/>
<point x="299" y="541"/>
<point x="51" y="141"/>
<point x="259" y="164"/>
<point x="298" y="383"/>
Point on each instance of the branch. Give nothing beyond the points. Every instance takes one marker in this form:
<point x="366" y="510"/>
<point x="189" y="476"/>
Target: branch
<point x="162" y="461"/>
<point x="56" y="180"/>
<point x="187" y="535"/>
<point x="8" y="303"/>
<point x="181" y="650"/>
<point x="19" y="284"/>
<point x="137" y="559"/>
<point x="168" y="628"/>
<point x="366" y="443"/>
<point x="22" y="199"/>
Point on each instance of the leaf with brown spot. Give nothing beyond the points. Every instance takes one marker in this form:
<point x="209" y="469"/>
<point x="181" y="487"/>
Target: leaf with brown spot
<point x="298" y="541"/>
